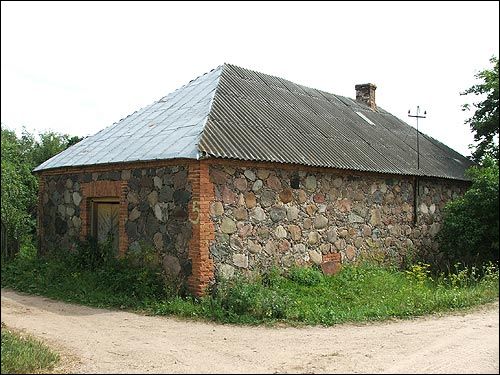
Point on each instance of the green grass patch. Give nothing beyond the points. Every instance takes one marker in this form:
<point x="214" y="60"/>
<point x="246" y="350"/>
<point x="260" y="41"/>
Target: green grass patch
<point x="23" y="354"/>
<point x="362" y="292"/>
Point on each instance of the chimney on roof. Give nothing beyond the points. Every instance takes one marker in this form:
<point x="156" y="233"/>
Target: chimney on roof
<point x="365" y="93"/>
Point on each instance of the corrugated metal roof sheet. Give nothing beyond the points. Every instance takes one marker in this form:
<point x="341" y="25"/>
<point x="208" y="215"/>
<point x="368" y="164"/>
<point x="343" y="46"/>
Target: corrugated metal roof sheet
<point x="255" y="116"/>
<point x="169" y="128"/>
<point x="233" y="112"/>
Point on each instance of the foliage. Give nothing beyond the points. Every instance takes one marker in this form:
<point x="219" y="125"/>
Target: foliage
<point x="357" y="293"/>
<point x="49" y="144"/>
<point x="470" y="230"/>
<point x="19" y="189"/>
<point x="305" y="275"/>
<point x="70" y="276"/>
<point x="23" y="354"/>
<point x="484" y="122"/>
<point x="419" y="273"/>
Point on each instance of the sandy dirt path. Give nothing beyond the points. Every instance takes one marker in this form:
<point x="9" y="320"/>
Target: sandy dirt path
<point x="104" y="341"/>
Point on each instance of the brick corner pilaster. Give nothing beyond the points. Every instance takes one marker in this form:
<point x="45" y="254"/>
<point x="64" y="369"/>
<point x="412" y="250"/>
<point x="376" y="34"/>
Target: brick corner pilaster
<point x="203" y="230"/>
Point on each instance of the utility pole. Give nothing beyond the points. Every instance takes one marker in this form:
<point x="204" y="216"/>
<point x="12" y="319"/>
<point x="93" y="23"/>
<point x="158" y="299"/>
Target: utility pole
<point x="415" y="191"/>
<point x="417" y="116"/>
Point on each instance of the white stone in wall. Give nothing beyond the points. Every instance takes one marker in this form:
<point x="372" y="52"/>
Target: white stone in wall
<point x="257" y="214"/>
<point x="311" y="183"/>
<point x="158" y="182"/>
<point x="249" y="174"/>
<point x="292" y="213"/>
<point x="353" y="218"/>
<point x="77" y="222"/>
<point x="257" y="185"/>
<point x="299" y="248"/>
<point x="77" y="198"/>
<point x="337" y="182"/>
<point x="134" y="214"/>
<point x="158" y="212"/>
<point x="280" y="232"/>
<point x="240" y="260"/>
<point x="315" y="257"/>
<point x="67" y="196"/>
<point x="313" y="238"/>
<point x="254" y="247"/>
<point x="228" y="225"/>
<point x="320" y="222"/>
<point x="226" y="271"/>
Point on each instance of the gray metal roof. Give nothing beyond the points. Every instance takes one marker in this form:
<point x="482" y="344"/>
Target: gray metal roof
<point x="167" y="129"/>
<point x="237" y="113"/>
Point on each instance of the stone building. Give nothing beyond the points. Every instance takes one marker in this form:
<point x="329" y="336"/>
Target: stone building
<point x="239" y="170"/>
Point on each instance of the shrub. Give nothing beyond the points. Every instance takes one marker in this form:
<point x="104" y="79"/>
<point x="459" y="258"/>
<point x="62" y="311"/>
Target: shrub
<point x="470" y="231"/>
<point x="242" y="296"/>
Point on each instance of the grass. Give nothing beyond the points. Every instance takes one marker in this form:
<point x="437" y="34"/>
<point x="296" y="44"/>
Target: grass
<point x="23" y="354"/>
<point x="358" y="293"/>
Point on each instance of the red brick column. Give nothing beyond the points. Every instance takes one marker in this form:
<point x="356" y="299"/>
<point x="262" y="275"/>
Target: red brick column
<point x="202" y="228"/>
<point x="122" y="237"/>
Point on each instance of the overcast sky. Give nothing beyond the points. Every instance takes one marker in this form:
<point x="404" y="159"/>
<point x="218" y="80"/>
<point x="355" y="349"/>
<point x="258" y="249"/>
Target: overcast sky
<point x="76" y="68"/>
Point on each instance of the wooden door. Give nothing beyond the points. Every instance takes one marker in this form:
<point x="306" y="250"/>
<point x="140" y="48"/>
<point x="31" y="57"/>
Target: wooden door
<point x="106" y="215"/>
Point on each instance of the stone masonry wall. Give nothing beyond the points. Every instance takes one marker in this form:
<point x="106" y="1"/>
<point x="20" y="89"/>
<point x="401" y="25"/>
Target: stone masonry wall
<point x="213" y="216"/>
<point x="278" y="215"/>
<point x="153" y="210"/>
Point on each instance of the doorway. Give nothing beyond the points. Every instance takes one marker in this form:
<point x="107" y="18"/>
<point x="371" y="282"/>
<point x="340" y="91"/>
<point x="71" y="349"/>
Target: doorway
<point x="105" y="221"/>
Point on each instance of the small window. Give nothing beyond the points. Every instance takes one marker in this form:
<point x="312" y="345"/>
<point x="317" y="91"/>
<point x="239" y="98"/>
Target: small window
<point x="295" y="182"/>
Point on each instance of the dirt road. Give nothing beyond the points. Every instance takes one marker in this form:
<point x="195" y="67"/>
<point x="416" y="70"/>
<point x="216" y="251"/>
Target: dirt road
<point x="104" y="341"/>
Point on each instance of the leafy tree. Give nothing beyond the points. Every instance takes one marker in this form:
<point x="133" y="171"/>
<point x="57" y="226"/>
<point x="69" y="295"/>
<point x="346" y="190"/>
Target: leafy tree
<point x="50" y="144"/>
<point x="19" y="189"/>
<point x="470" y="231"/>
<point x="484" y="122"/>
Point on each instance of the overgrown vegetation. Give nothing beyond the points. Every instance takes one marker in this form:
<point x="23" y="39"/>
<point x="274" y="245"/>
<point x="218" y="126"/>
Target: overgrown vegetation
<point x="19" y="187"/>
<point x="360" y="292"/>
<point x="23" y="354"/>
<point x="470" y="231"/>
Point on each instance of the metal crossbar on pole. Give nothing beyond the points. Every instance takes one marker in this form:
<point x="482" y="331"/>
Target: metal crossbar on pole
<point x="417" y="116"/>
<point x="416" y="188"/>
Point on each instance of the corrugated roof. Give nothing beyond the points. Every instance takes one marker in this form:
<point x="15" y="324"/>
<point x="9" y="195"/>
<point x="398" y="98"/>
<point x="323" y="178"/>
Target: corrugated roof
<point x="237" y="113"/>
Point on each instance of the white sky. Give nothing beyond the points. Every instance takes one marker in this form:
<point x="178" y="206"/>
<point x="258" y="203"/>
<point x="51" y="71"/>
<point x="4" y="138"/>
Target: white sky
<point x="76" y="68"/>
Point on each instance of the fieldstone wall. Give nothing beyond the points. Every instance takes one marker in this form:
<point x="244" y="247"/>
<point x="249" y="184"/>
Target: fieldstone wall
<point x="265" y="217"/>
<point x="156" y="216"/>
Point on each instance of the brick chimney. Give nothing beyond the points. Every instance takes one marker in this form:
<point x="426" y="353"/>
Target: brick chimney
<point x="365" y="93"/>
